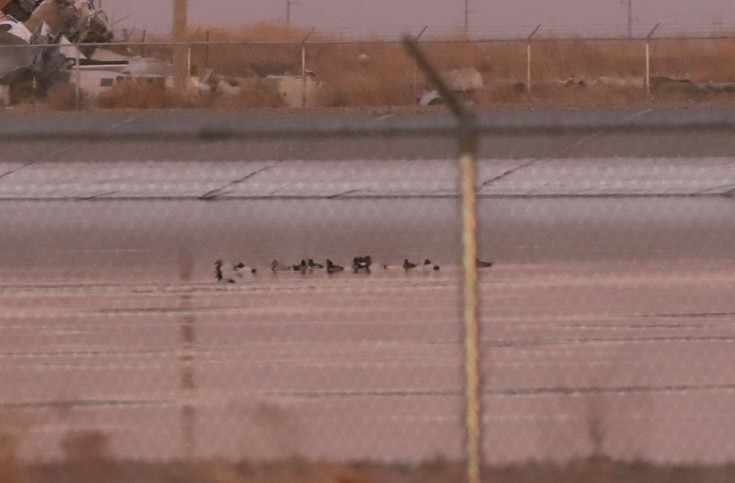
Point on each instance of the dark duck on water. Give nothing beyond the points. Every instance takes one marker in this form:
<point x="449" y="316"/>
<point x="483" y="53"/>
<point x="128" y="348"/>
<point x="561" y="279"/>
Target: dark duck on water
<point x="362" y="263"/>
<point x="430" y="266"/>
<point x="332" y="268"/>
<point x="301" y="267"/>
<point x="218" y="273"/>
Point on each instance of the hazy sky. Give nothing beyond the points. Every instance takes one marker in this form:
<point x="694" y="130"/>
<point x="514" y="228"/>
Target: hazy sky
<point x="390" y="18"/>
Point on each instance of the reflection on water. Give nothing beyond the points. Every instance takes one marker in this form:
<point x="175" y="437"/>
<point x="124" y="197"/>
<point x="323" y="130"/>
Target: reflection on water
<point x="123" y="239"/>
<point x="187" y="331"/>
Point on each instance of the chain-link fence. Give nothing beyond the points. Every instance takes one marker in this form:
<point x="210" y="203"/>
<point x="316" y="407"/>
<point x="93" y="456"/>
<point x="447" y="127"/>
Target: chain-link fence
<point x="310" y="70"/>
<point x="235" y="296"/>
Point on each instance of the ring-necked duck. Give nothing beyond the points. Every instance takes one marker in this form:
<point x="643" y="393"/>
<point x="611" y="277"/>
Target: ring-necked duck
<point x="362" y="263"/>
<point x="430" y="266"/>
<point x="332" y="268"/>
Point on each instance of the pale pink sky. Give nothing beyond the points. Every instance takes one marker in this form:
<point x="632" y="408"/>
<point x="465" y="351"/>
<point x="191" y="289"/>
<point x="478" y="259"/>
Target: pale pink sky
<point x="489" y="18"/>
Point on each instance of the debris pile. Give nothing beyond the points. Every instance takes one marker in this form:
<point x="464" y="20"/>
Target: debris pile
<point x="59" y="28"/>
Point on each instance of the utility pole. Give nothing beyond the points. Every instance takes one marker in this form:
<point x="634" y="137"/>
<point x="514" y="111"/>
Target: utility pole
<point x="466" y="17"/>
<point x="181" y="61"/>
<point x="288" y="10"/>
<point x="630" y="19"/>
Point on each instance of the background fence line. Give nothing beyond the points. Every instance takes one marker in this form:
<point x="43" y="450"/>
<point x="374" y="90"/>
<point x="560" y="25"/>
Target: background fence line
<point x="199" y="53"/>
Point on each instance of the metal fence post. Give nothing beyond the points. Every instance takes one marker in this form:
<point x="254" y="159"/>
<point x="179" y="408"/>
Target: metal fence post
<point x="468" y="151"/>
<point x="78" y="89"/>
<point x="471" y="322"/>
<point x="648" y="59"/>
<point x="414" y="84"/>
<point x="303" y="68"/>
<point x="528" y="59"/>
<point x="188" y="66"/>
<point x="180" y="35"/>
<point x="206" y="52"/>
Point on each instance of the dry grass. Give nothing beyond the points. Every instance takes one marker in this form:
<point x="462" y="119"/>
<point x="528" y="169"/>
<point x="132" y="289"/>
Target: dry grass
<point x="703" y="60"/>
<point x="62" y="98"/>
<point x="140" y="94"/>
<point x="363" y="74"/>
<point x="599" y="469"/>
<point x="13" y="428"/>
<point x="281" y="53"/>
<point x="381" y="74"/>
<point x="88" y="458"/>
<point x="554" y="60"/>
<point x="253" y="94"/>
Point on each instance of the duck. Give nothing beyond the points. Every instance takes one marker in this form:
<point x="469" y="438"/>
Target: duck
<point x="332" y="268"/>
<point x="428" y="265"/>
<point x="218" y="273"/>
<point x="482" y="264"/>
<point x="408" y="265"/>
<point x="301" y="267"/>
<point x="362" y="263"/>
<point x="312" y="264"/>
<point x="240" y="269"/>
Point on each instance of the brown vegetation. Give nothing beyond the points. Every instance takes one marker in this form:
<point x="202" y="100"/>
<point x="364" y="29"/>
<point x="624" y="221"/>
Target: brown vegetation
<point x="62" y="97"/>
<point x="140" y="94"/>
<point x="12" y="430"/>
<point x="253" y="93"/>
<point x="599" y="469"/>
<point x="374" y="73"/>
<point x="87" y="457"/>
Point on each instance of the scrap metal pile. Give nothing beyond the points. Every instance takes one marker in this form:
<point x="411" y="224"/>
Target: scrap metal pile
<point x="53" y="25"/>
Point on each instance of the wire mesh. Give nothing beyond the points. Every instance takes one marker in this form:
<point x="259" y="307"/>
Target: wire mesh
<point x="313" y="70"/>
<point x="606" y="317"/>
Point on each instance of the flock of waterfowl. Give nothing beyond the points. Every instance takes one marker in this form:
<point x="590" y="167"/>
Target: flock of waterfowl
<point x="361" y="264"/>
